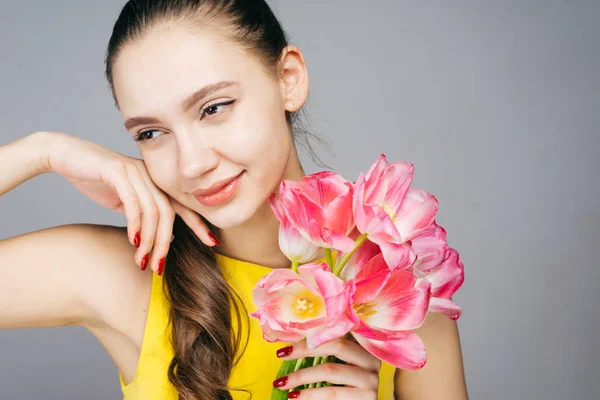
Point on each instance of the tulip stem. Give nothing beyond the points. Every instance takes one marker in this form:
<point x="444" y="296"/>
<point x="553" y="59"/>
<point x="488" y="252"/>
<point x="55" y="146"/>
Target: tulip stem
<point x="295" y="266"/>
<point x="338" y="268"/>
<point x="317" y="361"/>
<point x="329" y="258"/>
<point x="299" y="363"/>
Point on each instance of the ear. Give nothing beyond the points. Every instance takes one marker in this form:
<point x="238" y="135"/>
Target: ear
<point x="294" y="78"/>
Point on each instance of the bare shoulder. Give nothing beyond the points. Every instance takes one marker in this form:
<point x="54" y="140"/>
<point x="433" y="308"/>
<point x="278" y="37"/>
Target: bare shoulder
<point x="77" y="274"/>
<point x="115" y="288"/>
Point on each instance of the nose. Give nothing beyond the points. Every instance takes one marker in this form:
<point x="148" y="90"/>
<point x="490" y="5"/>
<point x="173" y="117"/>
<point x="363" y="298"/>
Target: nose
<point x="196" y="157"/>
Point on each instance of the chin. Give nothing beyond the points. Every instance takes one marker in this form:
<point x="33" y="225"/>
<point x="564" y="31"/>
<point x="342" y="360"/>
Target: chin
<point x="232" y="215"/>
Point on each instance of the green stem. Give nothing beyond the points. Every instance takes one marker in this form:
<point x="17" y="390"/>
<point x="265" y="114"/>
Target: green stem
<point x="323" y="361"/>
<point x="295" y="266"/>
<point x="317" y="361"/>
<point x="299" y="363"/>
<point x="329" y="258"/>
<point x="338" y="268"/>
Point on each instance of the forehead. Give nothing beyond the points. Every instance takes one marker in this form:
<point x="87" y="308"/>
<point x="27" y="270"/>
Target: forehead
<point x="167" y="63"/>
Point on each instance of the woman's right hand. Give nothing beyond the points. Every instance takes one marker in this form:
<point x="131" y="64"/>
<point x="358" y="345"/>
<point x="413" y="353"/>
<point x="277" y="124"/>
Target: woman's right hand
<point x="122" y="183"/>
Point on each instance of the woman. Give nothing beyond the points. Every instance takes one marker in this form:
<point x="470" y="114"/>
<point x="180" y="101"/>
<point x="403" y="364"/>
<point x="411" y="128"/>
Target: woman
<point x="209" y="90"/>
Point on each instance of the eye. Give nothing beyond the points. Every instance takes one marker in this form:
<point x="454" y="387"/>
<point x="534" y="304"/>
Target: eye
<point x="146" y="135"/>
<point x="213" y="109"/>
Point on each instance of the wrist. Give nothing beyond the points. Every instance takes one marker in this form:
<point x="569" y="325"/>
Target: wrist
<point x="40" y="145"/>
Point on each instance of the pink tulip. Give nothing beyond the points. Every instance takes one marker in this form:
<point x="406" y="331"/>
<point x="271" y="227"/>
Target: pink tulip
<point x="386" y="306"/>
<point x="430" y="246"/>
<point x="311" y="304"/>
<point x="445" y="280"/>
<point x="390" y="212"/>
<point x="291" y="242"/>
<point x="319" y="206"/>
<point x="441" y="265"/>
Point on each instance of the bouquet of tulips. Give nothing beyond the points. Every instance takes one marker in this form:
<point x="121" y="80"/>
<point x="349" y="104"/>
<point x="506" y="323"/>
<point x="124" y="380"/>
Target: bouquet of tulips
<point x="387" y="264"/>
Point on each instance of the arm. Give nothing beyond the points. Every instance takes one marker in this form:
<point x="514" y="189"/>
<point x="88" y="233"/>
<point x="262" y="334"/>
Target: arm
<point x="443" y="375"/>
<point x="22" y="160"/>
<point x="63" y="275"/>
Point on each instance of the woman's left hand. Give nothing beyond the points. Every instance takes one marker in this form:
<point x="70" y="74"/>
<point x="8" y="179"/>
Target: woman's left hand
<point x="360" y="376"/>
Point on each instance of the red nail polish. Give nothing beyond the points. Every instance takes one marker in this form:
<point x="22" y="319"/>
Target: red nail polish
<point x="280" y="382"/>
<point x="161" y="266"/>
<point x="293" y="395"/>
<point x="136" y="240"/>
<point x="214" y="239"/>
<point x="145" y="262"/>
<point x="285" y="351"/>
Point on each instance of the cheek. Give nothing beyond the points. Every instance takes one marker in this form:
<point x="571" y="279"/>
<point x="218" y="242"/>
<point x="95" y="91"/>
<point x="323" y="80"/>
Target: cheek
<point x="163" y="174"/>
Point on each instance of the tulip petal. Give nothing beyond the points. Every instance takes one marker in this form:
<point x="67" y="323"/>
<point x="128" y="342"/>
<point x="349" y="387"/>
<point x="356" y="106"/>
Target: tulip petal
<point x="332" y="330"/>
<point x="400" y="176"/>
<point x="446" y="307"/>
<point x="401" y="304"/>
<point x="417" y="212"/>
<point x="447" y="278"/>
<point x="397" y="256"/>
<point x="365" y="252"/>
<point x="430" y="247"/>
<point x="324" y="237"/>
<point x="406" y="351"/>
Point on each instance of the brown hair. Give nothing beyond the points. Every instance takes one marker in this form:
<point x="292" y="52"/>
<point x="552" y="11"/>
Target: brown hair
<point x="206" y="348"/>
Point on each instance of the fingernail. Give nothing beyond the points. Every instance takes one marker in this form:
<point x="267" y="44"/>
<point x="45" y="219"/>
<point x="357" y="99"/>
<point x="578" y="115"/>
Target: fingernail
<point x="293" y="395"/>
<point x="285" y="351"/>
<point x="145" y="262"/>
<point x="214" y="239"/>
<point x="280" y="382"/>
<point x="161" y="266"/>
<point x="136" y="240"/>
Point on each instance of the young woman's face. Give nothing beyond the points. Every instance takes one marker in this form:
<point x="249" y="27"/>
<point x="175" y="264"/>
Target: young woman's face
<point x="207" y="111"/>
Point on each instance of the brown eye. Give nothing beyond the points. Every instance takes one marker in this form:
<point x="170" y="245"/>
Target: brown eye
<point x="215" y="108"/>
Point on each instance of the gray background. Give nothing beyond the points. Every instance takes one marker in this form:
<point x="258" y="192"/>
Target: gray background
<point x="496" y="103"/>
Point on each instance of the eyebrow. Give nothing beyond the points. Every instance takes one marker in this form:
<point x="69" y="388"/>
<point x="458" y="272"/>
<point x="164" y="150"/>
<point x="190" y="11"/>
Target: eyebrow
<point x="186" y="105"/>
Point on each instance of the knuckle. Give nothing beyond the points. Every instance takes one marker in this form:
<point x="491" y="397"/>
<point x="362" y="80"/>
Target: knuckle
<point x="134" y="201"/>
<point x="168" y="212"/>
<point x="328" y="368"/>
<point x="117" y="165"/>
<point x="378" y="364"/>
<point x="339" y="345"/>
<point x="374" y="380"/>
<point x="134" y="220"/>
<point x="153" y="212"/>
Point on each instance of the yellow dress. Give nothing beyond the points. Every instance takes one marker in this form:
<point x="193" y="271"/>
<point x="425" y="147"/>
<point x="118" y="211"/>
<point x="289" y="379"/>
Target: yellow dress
<point x="256" y="370"/>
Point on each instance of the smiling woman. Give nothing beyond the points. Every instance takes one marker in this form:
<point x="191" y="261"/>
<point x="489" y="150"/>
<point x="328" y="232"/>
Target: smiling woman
<point x="209" y="90"/>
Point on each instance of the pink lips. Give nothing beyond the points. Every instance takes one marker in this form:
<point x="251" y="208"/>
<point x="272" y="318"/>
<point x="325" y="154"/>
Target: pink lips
<point x="219" y="193"/>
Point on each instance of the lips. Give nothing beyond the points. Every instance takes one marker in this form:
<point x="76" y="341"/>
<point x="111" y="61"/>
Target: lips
<point x="219" y="193"/>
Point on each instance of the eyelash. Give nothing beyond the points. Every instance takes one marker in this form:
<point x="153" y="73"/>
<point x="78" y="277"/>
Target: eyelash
<point x="140" y="138"/>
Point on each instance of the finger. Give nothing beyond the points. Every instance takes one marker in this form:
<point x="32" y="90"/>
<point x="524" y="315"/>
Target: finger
<point x="195" y="222"/>
<point x="164" y="232"/>
<point x="344" y="349"/>
<point x="338" y="374"/>
<point x="150" y="216"/>
<point x="117" y="177"/>
<point x="332" y="393"/>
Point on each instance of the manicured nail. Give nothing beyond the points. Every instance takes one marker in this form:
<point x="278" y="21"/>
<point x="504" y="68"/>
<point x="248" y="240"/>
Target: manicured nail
<point x="285" y="351"/>
<point x="293" y="395"/>
<point x="214" y="239"/>
<point x="280" y="382"/>
<point x="161" y="266"/>
<point x="145" y="262"/>
<point x="136" y="240"/>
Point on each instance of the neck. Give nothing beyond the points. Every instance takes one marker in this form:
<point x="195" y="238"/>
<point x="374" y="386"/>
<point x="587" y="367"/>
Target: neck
<point x="257" y="240"/>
